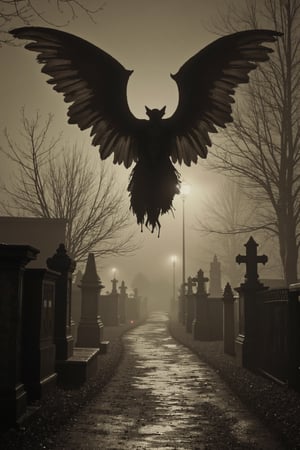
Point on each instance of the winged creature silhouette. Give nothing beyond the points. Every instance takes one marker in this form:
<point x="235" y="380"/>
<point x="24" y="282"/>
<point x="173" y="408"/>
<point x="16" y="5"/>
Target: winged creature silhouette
<point x="96" y="86"/>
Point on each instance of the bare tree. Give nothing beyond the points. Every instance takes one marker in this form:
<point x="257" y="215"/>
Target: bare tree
<point x="227" y="220"/>
<point x="24" y="12"/>
<point x="262" y="145"/>
<point x="55" y="182"/>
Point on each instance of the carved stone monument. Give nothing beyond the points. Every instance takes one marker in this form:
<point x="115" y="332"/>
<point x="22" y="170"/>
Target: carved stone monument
<point x="90" y="328"/>
<point x="38" y="346"/>
<point x="200" y="327"/>
<point x="73" y="365"/>
<point x="13" y="399"/>
<point x="123" y="298"/>
<point x="189" y="305"/>
<point x="215" y="288"/>
<point x="247" y="341"/>
<point x="62" y="263"/>
<point x="109" y="306"/>
<point x="228" y="320"/>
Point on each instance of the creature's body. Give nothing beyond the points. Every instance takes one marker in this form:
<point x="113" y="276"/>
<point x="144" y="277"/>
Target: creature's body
<point x="96" y="84"/>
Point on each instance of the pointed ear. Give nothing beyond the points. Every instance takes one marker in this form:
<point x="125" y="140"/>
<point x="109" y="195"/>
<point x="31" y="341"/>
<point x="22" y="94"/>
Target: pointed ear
<point x="163" y="110"/>
<point x="147" y="109"/>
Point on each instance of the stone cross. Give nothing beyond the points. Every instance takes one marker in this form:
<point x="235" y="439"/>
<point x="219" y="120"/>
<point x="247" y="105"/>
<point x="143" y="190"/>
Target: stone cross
<point x="201" y="280"/>
<point x="123" y="288"/>
<point x="251" y="259"/>
<point x="190" y="283"/>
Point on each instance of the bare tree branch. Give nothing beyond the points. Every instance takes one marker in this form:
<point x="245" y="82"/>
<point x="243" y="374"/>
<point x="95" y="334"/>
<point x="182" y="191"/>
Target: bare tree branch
<point x="261" y="147"/>
<point x="15" y="13"/>
<point x="59" y="182"/>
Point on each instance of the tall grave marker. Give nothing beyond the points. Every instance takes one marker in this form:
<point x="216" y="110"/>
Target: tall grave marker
<point x="13" y="399"/>
<point x="247" y="342"/>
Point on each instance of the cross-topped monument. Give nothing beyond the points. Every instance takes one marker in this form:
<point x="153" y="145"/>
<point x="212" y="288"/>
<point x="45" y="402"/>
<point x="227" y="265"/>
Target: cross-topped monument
<point x="190" y="283"/>
<point x="123" y="288"/>
<point x="251" y="259"/>
<point x="200" y="280"/>
<point x="114" y="283"/>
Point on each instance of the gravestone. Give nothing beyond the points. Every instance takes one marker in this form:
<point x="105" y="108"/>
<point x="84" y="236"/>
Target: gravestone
<point x="13" y="399"/>
<point x="90" y="328"/>
<point x="76" y="303"/>
<point x="182" y="305"/>
<point x="38" y="346"/>
<point x="109" y="306"/>
<point x="73" y="365"/>
<point x="200" y="327"/>
<point x="247" y="341"/>
<point x="189" y="305"/>
<point x="228" y="321"/>
<point x="62" y="263"/>
<point x="123" y="298"/>
<point x="215" y="289"/>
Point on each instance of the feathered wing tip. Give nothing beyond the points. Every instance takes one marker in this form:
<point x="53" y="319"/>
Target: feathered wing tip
<point x="152" y="190"/>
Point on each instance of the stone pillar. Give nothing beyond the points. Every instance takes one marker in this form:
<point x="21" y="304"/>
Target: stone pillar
<point x="215" y="289"/>
<point x="38" y="357"/>
<point x="200" y="328"/>
<point x="247" y="341"/>
<point x="228" y="321"/>
<point x="190" y="308"/>
<point x="13" y="259"/>
<point x="122" y="302"/>
<point x="90" y="328"/>
<point x="63" y="339"/>
<point x="182" y="305"/>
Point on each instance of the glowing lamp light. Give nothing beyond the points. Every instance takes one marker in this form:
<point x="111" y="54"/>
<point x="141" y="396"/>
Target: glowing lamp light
<point x="185" y="189"/>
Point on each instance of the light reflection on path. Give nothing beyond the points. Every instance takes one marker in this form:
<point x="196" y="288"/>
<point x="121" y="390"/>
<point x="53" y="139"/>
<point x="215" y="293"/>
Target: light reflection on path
<point x="163" y="397"/>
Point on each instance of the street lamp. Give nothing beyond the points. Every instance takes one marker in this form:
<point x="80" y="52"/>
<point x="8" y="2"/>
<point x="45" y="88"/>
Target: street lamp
<point x="184" y="191"/>
<point x="173" y="298"/>
<point x="173" y="259"/>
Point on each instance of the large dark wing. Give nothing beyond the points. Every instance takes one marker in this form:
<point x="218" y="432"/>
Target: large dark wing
<point x="95" y="83"/>
<point x="206" y="84"/>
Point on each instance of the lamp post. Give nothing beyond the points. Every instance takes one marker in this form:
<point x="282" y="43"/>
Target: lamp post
<point x="173" y="259"/>
<point x="174" y="276"/>
<point x="184" y="191"/>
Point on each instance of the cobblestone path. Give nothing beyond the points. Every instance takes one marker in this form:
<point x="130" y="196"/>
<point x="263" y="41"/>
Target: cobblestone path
<point x="163" y="397"/>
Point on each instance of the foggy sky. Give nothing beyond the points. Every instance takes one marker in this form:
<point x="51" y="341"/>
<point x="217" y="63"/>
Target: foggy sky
<point x="154" y="38"/>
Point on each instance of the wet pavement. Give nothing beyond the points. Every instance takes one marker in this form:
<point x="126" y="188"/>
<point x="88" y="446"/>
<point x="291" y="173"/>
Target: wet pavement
<point x="163" y="397"/>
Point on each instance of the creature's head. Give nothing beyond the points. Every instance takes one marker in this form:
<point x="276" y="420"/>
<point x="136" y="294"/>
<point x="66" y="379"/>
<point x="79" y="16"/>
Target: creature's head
<point x="155" y="114"/>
